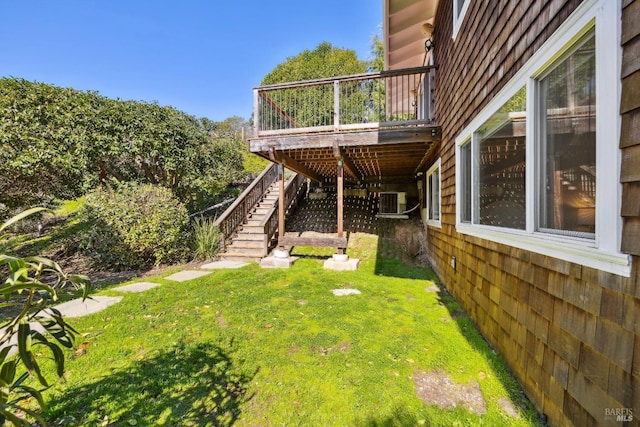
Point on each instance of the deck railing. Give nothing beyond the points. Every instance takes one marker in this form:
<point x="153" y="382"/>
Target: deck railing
<point x="365" y="101"/>
<point x="237" y="212"/>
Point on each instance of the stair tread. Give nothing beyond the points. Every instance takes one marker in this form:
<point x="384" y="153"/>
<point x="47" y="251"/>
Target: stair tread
<point x="249" y="237"/>
<point x="245" y="253"/>
<point x="247" y="244"/>
<point x="240" y="257"/>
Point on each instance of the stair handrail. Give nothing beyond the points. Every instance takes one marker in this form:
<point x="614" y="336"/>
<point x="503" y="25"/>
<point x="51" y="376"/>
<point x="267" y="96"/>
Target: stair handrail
<point x="235" y="214"/>
<point x="292" y="193"/>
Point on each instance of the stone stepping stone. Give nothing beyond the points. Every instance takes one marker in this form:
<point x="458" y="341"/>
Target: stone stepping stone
<point x="224" y="264"/>
<point x="77" y="307"/>
<point x="73" y="308"/>
<point x="350" y="264"/>
<point x="136" y="287"/>
<point x="344" y="292"/>
<point x="183" y="276"/>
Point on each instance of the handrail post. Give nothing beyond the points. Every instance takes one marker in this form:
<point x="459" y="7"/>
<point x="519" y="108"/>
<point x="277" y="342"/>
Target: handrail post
<point x="336" y="105"/>
<point x="256" y="113"/>
<point x="430" y="78"/>
<point x="281" y="201"/>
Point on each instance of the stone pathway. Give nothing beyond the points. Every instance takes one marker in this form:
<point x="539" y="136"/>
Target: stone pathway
<point x="224" y="264"/>
<point x="137" y="287"/>
<point x="77" y="307"/>
<point x="345" y="292"/>
<point x="183" y="276"/>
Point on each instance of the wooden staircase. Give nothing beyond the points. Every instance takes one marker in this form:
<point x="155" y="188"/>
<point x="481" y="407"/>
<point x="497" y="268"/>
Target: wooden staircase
<point x="250" y="224"/>
<point x="250" y="242"/>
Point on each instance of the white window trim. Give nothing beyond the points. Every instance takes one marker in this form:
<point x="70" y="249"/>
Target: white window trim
<point x="603" y="252"/>
<point x="434" y="167"/>
<point x="458" y="18"/>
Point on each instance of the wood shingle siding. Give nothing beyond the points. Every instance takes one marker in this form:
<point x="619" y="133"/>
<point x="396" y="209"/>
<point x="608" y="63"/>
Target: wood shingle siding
<point x="630" y="137"/>
<point x="570" y="333"/>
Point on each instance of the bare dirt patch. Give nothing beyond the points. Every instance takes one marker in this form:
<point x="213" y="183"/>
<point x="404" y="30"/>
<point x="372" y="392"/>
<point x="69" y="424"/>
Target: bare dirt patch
<point x="342" y="347"/>
<point x="508" y="407"/>
<point x="222" y="322"/>
<point x="436" y="388"/>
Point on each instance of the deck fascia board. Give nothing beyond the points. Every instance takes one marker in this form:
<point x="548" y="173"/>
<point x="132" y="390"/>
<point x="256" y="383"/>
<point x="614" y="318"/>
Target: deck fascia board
<point x="346" y="139"/>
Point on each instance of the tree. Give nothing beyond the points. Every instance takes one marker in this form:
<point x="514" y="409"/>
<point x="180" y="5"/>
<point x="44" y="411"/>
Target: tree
<point x="377" y="50"/>
<point x="324" y="61"/>
<point x="35" y="329"/>
<point x="309" y="105"/>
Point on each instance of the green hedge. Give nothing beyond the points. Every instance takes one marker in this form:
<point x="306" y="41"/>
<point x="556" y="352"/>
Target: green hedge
<point x="135" y="226"/>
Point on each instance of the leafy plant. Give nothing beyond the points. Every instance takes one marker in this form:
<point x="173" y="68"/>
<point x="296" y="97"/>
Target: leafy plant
<point x="31" y="286"/>
<point x="206" y="237"/>
<point x="135" y="226"/>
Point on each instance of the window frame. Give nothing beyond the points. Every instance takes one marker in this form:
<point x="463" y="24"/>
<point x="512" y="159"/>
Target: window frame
<point x="602" y="252"/>
<point x="459" y="17"/>
<point x="437" y="166"/>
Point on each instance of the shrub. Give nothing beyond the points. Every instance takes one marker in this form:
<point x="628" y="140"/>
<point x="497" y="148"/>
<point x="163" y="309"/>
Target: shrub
<point x="206" y="238"/>
<point x="135" y="226"/>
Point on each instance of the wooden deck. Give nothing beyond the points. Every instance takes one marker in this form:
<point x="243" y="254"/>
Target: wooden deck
<point x="373" y="155"/>
<point x="379" y="126"/>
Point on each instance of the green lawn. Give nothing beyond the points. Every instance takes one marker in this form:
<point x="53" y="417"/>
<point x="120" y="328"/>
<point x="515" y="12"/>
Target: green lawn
<point x="262" y="347"/>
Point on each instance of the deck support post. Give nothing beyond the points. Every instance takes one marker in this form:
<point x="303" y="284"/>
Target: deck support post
<point x="340" y="203"/>
<point x="281" y="201"/>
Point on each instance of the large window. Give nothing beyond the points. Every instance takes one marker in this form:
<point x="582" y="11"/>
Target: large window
<point x="567" y="98"/>
<point x="501" y="142"/>
<point x="433" y="194"/>
<point x="459" y="10"/>
<point x="526" y="171"/>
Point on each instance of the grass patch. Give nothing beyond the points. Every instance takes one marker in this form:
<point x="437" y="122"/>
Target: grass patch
<point x="275" y="347"/>
<point x="58" y="232"/>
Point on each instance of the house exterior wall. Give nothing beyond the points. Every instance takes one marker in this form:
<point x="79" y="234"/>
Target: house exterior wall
<point x="570" y="333"/>
<point x="630" y="139"/>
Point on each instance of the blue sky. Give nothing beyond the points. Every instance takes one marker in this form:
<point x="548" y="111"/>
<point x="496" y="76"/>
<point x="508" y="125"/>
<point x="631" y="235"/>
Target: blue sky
<point x="202" y="57"/>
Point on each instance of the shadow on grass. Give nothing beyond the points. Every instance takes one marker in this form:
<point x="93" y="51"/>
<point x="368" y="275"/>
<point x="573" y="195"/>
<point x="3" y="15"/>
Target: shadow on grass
<point x="392" y="267"/>
<point x="399" y="418"/>
<point x="399" y="246"/>
<point x="187" y="385"/>
<point x="55" y="237"/>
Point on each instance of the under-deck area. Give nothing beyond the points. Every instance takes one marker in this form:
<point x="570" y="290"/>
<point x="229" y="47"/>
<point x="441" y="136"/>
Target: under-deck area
<point x="368" y="134"/>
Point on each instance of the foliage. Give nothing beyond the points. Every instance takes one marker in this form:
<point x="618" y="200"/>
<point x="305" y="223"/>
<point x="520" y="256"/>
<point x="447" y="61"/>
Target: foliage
<point x="313" y="105"/>
<point x="134" y="226"/>
<point x="61" y="142"/>
<point x="31" y="286"/>
<point x="301" y="356"/>
<point x="324" y="61"/>
<point x="377" y="50"/>
<point x="254" y="164"/>
<point x="41" y="132"/>
<point x="206" y="238"/>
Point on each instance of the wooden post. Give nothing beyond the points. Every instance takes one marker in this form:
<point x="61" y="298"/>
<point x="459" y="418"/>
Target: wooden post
<point x="256" y="113"/>
<point x="340" y="203"/>
<point x="336" y="105"/>
<point x="281" y="202"/>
